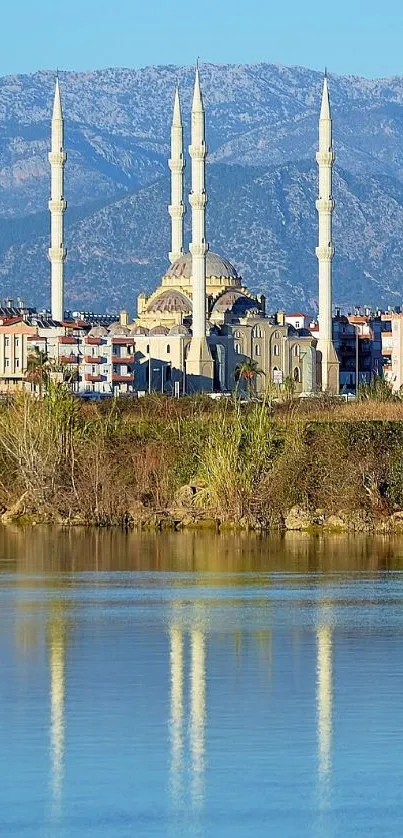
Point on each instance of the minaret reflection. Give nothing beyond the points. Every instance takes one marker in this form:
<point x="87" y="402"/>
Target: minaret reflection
<point x="176" y="655"/>
<point x="190" y="753"/>
<point x="57" y="652"/>
<point x="198" y="712"/>
<point x="324" y="695"/>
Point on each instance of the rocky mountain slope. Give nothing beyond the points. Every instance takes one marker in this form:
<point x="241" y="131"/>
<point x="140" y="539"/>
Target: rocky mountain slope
<point x="262" y="134"/>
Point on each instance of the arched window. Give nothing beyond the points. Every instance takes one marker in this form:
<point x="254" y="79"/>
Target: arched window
<point x="276" y="349"/>
<point x="296" y="350"/>
<point x="148" y="349"/>
<point x="277" y="335"/>
<point x="257" y="332"/>
<point x="257" y="349"/>
<point x="237" y="348"/>
<point x="168" y="349"/>
<point x="297" y="375"/>
<point x="237" y="334"/>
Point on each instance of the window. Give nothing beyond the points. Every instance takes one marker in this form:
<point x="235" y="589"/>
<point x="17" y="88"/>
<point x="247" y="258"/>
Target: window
<point x="297" y="375"/>
<point x="237" y="334"/>
<point x="93" y="370"/>
<point x="257" y="332"/>
<point x="6" y="362"/>
<point x="277" y="335"/>
<point x="168" y="373"/>
<point x="168" y="349"/>
<point x="7" y="342"/>
<point x="237" y="348"/>
<point x="297" y="326"/>
<point x="17" y="342"/>
<point x="276" y="349"/>
<point x="257" y="349"/>
<point x="148" y="349"/>
<point x="17" y="363"/>
<point x="296" y="351"/>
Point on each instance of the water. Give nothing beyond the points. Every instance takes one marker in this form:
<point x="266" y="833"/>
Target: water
<point x="200" y="686"/>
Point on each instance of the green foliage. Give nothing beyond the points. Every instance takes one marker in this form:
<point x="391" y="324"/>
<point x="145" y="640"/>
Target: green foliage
<point x="378" y="390"/>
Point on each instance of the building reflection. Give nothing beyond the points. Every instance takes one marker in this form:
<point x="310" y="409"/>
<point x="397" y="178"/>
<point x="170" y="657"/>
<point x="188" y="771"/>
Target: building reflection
<point x="324" y="697"/>
<point x="176" y="723"/>
<point x="198" y="712"/>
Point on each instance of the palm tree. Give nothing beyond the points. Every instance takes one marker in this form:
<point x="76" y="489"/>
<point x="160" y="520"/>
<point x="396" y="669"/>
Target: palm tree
<point x="37" y="368"/>
<point x="248" y="372"/>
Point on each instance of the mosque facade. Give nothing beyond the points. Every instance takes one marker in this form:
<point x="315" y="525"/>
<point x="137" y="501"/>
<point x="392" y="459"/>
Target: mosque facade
<point x="201" y="323"/>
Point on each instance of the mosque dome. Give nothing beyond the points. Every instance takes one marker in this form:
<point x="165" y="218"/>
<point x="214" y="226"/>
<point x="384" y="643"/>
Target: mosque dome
<point x="98" y="332"/>
<point x="179" y="330"/>
<point x="215" y="266"/>
<point x="140" y="330"/>
<point x="234" y="301"/>
<point x="159" y="330"/>
<point x="118" y="329"/>
<point x="170" y="301"/>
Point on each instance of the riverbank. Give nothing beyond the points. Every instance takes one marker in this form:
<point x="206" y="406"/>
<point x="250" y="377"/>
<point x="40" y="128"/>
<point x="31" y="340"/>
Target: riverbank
<point x="161" y="463"/>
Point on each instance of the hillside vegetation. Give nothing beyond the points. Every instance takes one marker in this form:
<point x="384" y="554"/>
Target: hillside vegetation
<point x="162" y="462"/>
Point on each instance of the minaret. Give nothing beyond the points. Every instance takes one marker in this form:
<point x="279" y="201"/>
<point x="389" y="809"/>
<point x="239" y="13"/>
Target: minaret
<point x="325" y="251"/>
<point x="199" y="363"/>
<point x="57" y="207"/>
<point x="176" y="164"/>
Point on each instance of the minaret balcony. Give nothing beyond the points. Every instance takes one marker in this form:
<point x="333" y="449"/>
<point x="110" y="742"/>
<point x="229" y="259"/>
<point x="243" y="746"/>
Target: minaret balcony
<point x="325" y="253"/>
<point x="198" y="201"/>
<point x="198" y="152"/>
<point x="325" y="205"/>
<point x="325" y="158"/>
<point x="58" y="206"/>
<point x="57" y="254"/>
<point x="176" y="210"/>
<point x="198" y="249"/>
<point x="57" y="158"/>
<point x="176" y="166"/>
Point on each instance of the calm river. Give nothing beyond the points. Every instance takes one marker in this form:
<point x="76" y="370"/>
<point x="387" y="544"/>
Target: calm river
<point x="200" y="685"/>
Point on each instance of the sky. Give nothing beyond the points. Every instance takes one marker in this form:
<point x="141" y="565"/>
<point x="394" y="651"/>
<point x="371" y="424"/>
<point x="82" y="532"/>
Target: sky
<point x="347" y="36"/>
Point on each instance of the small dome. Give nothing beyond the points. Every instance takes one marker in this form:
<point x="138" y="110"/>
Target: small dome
<point x="118" y="329"/>
<point x="139" y="330"/>
<point x="98" y="332"/>
<point x="159" y="330"/>
<point x="234" y="301"/>
<point x="170" y="301"/>
<point x="215" y="266"/>
<point x="179" y="330"/>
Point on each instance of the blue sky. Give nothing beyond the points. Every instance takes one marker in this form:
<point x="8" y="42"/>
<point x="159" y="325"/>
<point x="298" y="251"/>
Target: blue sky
<point x="364" y="38"/>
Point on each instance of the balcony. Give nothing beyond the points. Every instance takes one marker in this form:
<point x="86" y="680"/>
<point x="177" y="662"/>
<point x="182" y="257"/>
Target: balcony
<point x="93" y="341"/>
<point x="94" y="378"/>
<point x="94" y="359"/>
<point x="123" y="341"/>
<point x="122" y="379"/>
<point x="68" y="359"/>
<point x="68" y="339"/>
<point x="122" y="359"/>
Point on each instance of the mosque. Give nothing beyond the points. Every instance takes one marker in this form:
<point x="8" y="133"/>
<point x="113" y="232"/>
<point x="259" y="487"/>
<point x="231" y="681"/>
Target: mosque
<point x="201" y="322"/>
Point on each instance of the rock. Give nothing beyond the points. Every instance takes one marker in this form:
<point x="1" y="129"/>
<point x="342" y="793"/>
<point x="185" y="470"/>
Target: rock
<point x="15" y="511"/>
<point x="335" y="522"/>
<point x="297" y="519"/>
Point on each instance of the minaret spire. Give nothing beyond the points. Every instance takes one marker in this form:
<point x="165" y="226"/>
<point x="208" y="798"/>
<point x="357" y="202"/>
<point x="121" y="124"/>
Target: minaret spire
<point x="325" y="251"/>
<point x="176" y="164"/>
<point x="199" y="362"/>
<point x="57" y="207"/>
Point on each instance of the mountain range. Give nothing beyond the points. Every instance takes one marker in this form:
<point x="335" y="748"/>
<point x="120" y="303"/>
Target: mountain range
<point x="261" y="180"/>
